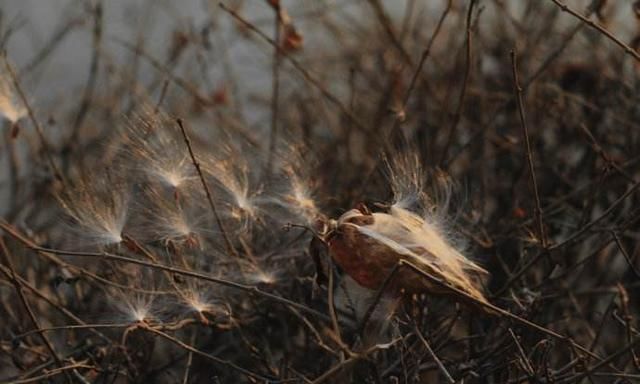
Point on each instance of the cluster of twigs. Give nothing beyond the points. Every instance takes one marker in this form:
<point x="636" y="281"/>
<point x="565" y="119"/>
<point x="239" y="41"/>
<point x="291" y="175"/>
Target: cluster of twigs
<point x="159" y="224"/>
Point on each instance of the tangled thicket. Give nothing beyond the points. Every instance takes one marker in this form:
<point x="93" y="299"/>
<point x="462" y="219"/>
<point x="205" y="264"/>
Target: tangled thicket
<point x="164" y="221"/>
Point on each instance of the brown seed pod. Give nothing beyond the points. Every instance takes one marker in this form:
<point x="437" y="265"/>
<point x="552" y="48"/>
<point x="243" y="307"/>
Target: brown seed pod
<point x="367" y="246"/>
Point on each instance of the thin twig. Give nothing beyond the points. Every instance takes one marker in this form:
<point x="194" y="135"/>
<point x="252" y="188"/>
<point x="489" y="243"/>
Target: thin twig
<point x="27" y="307"/>
<point x="529" y="155"/>
<point x="425" y="54"/>
<point x="215" y="359"/>
<point x="351" y="360"/>
<point x="564" y="7"/>
<point x="275" y="87"/>
<point x="45" y="377"/>
<point x="516" y="275"/>
<point x="180" y="82"/>
<point x="187" y="369"/>
<point x="109" y="256"/>
<point x="497" y="310"/>
<point x="626" y="256"/>
<point x="13" y="161"/>
<point x="376" y="299"/>
<point x="24" y="283"/>
<point x="523" y="356"/>
<point x="384" y="19"/>
<point x="205" y="186"/>
<point x="87" y="97"/>
<point x="578" y="377"/>
<point x="463" y="90"/>
<point x="43" y="140"/>
<point x="299" y="67"/>
<point x="163" y="93"/>
<point x="435" y="357"/>
<point x="50" y="45"/>
<point x="595" y="221"/>
<point x="332" y="304"/>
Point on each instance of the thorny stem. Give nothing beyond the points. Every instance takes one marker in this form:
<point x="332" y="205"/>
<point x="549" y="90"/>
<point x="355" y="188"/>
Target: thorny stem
<point x="232" y="251"/>
<point x="525" y="131"/>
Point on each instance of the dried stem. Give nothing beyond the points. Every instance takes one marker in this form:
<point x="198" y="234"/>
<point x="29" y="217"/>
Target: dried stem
<point x="435" y="357"/>
<point x="595" y="25"/>
<point x="299" y="67"/>
<point x="32" y="316"/>
<point x="275" y="87"/>
<point x="232" y="251"/>
<point x="168" y="268"/>
<point x="529" y="155"/>
<point x="89" y="89"/>
<point x="425" y="54"/>
<point x="43" y="141"/>
<point x="208" y="356"/>
<point x="463" y="90"/>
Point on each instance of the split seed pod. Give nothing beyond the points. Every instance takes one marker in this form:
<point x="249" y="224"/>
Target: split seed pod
<point x="367" y="246"/>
